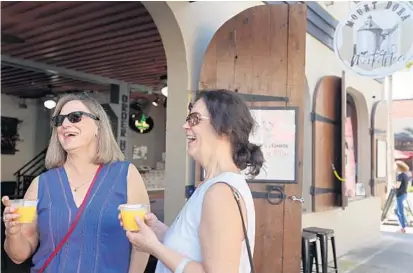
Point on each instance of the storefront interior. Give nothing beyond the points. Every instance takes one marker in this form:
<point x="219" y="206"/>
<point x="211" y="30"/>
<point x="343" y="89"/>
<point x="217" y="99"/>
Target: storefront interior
<point x="53" y="48"/>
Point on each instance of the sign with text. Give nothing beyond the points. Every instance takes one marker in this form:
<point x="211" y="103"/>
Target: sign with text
<point x="375" y="40"/>
<point x="276" y="133"/>
<point x="124" y="123"/>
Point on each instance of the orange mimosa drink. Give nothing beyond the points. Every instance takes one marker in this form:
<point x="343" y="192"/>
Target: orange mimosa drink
<point x="26" y="209"/>
<point x="128" y="212"/>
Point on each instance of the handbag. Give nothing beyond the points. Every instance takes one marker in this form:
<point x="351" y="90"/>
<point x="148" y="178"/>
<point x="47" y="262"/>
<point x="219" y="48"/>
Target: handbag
<point x="237" y="198"/>
<point x="74" y="224"/>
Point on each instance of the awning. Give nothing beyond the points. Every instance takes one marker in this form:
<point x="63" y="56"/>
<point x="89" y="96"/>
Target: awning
<point x="402" y="154"/>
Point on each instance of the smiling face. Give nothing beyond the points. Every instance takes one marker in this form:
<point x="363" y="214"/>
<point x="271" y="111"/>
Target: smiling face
<point x="81" y="134"/>
<point x="200" y="133"/>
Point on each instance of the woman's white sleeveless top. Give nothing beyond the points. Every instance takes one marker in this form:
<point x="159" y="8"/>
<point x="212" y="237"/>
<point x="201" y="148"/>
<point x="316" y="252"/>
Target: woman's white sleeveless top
<point x="183" y="237"/>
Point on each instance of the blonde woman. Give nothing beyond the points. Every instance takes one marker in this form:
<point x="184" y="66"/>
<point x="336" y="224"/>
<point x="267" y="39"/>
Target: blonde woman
<point x="401" y="185"/>
<point x="77" y="229"/>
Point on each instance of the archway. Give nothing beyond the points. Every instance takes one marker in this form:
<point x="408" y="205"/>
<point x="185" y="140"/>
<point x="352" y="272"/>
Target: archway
<point x="105" y="48"/>
<point x="379" y="150"/>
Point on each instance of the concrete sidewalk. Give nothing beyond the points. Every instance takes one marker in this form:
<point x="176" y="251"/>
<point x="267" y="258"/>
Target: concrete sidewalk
<point x="392" y="254"/>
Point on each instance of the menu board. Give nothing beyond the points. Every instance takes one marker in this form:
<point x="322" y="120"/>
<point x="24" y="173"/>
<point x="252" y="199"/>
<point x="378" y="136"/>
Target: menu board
<point x="276" y="133"/>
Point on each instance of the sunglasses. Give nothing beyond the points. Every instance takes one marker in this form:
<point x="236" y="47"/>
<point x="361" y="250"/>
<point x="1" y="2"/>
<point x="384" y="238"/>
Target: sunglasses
<point x="73" y="117"/>
<point x="195" y="118"/>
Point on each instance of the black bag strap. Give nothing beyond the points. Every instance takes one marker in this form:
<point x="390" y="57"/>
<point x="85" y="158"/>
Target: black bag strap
<point x="237" y="198"/>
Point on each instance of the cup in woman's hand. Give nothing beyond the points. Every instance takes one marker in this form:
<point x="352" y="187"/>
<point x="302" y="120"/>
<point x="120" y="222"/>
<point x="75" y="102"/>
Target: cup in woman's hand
<point x="27" y="209"/>
<point x="128" y="213"/>
<point x="10" y="217"/>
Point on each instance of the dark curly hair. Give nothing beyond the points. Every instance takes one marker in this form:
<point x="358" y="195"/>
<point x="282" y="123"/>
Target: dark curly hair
<point x="231" y="116"/>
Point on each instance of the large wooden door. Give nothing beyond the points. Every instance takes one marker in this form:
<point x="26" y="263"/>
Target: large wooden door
<point x="328" y="144"/>
<point x="379" y="169"/>
<point x="261" y="51"/>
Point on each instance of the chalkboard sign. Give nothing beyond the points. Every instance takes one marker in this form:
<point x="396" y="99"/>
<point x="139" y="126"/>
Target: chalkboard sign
<point x="276" y="133"/>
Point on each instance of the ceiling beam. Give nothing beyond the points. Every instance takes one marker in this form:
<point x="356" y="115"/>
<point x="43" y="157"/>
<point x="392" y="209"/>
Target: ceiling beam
<point x="64" y="72"/>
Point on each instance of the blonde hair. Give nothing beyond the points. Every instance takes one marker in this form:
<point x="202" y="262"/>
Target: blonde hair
<point x="108" y="150"/>
<point x="401" y="166"/>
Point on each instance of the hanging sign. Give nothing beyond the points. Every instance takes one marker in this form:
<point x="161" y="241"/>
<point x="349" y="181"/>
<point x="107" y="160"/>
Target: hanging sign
<point x="375" y="40"/>
<point x="141" y="124"/>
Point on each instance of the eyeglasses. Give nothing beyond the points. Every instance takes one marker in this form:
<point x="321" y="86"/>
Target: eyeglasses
<point x="73" y="117"/>
<point x="195" y="118"/>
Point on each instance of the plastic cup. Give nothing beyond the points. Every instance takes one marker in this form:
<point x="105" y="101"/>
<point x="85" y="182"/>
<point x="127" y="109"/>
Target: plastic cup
<point x="26" y="208"/>
<point x="128" y="212"/>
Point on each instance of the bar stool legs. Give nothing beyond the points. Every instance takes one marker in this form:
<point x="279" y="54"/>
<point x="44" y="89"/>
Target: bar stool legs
<point x="324" y="253"/>
<point x="333" y="245"/>
<point x="314" y="256"/>
<point x="324" y="235"/>
<point x="305" y="252"/>
<point x="309" y="251"/>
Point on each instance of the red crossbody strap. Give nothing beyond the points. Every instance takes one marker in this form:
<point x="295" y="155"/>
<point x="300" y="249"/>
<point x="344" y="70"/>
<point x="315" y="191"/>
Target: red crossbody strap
<point x="74" y="224"/>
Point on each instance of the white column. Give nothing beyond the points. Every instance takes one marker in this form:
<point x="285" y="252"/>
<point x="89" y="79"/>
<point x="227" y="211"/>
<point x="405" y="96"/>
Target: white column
<point x="388" y="90"/>
<point x="177" y="162"/>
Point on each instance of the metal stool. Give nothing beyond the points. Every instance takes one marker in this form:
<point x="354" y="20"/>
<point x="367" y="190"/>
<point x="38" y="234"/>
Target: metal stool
<point x="309" y="251"/>
<point x="323" y="235"/>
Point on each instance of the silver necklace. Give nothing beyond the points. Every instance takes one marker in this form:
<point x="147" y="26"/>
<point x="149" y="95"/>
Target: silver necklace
<point x="78" y="187"/>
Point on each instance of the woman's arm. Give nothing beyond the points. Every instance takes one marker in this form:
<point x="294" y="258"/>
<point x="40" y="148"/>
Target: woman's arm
<point x="21" y="246"/>
<point x="137" y="194"/>
<point x="220" y="233"/>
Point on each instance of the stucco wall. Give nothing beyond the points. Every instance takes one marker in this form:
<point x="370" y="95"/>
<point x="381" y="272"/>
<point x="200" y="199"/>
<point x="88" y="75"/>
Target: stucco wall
<point x="359" y="222"/>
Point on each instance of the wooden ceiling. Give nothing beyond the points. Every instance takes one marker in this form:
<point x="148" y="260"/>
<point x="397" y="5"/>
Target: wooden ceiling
<point x="118" y="40"/>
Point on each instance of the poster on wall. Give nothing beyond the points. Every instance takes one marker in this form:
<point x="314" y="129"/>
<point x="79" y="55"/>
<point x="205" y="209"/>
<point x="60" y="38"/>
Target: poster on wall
<point x="381" y="158"/>
<point x="276" y="133"/>
<point x="375" y="40"/>
<point x="350" y="181"/>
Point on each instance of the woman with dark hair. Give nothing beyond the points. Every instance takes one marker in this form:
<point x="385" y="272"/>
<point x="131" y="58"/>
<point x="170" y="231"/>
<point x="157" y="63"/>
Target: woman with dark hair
<point x="208" y="235"/>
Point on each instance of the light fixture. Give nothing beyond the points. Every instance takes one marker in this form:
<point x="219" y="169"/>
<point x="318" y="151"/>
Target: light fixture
<point x="22" y="103"/>
<point x="164" y="91"/>
<point x="155" y="102"/>
<point x="49" y="104"/>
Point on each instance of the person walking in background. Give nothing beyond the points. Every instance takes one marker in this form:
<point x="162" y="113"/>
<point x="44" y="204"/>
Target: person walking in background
<point x="86" y="181"/>
<point x="208" y="235"/>
<point x="401" y="185"/>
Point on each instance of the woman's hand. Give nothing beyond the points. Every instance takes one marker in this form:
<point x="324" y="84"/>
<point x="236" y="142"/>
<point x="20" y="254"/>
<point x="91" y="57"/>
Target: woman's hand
<point x="144" y="240"/>
<point x="13" y="227"/>
<point x="153" y="222"/>
<point x="157" y="226"/>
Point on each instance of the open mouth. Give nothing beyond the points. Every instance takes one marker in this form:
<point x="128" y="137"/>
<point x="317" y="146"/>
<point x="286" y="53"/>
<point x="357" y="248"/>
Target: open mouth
<point x="191" y="139"/>
<point x="69" y="135"/>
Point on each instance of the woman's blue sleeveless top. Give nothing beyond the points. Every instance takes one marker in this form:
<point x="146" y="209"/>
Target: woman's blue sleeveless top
<point x="98" y="244"/>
